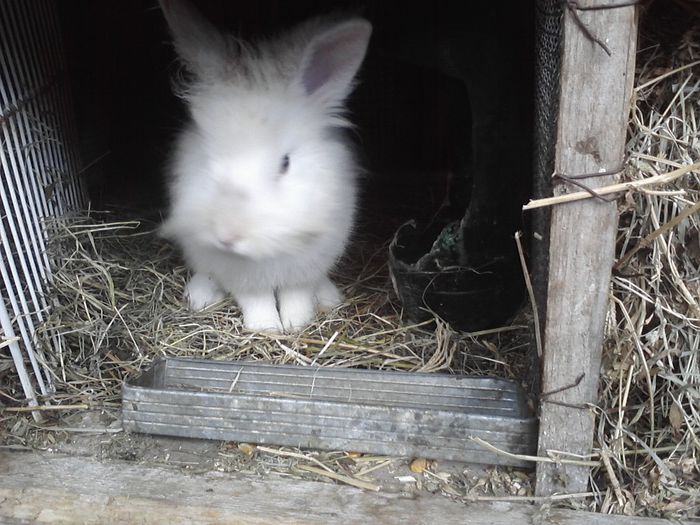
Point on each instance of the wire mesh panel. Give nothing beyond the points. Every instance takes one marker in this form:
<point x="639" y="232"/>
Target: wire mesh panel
<point x="39" y="168"/>
<point x="548" y="45"/>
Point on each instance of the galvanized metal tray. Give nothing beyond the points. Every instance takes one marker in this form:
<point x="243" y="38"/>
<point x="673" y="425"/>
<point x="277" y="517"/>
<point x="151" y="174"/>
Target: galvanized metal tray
<point x="392" y="413"/>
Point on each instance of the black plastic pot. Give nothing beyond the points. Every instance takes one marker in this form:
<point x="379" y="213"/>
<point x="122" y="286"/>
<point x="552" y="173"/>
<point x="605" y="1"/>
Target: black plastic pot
<point x="441" y="281"/>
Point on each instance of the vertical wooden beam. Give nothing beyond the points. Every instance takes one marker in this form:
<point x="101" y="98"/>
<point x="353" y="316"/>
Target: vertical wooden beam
<point x="596" y="88"/>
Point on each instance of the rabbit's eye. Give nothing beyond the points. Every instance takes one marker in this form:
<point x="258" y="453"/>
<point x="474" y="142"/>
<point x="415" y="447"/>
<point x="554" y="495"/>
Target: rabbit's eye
<point x="284" y="166"/>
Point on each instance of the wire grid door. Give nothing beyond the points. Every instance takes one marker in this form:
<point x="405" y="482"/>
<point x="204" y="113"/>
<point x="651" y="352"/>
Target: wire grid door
<point x="38" y="163"/>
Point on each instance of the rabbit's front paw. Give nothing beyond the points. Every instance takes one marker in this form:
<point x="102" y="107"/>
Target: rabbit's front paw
<point x="202" y="291"/>
<point x="327" y="296"/>
<point x="259" y="312"/>
<point x="296" y="308"/>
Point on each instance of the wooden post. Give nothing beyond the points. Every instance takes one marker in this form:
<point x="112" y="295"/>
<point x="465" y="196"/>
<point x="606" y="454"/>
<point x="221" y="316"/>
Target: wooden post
<point x="596" y="88"/>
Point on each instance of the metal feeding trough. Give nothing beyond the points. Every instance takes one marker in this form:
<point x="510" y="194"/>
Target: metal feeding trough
<point x="390" y="413"/>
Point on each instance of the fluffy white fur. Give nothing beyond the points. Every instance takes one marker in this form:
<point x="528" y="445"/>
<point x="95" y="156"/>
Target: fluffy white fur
<point x="245" y="225"/>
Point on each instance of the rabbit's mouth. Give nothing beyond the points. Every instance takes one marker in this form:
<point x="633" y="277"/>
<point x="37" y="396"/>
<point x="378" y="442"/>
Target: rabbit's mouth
<point x="244" y="248"/>
<point x="264" y="248"/>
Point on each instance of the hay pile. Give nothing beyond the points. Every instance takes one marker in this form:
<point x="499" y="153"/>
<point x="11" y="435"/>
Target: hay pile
<point x="117" y="305"/>
<point x="649" y="407"/>
<point x="117" y="296"/>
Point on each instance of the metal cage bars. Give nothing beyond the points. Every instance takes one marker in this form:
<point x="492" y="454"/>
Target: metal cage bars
<point x="39" y="167"/>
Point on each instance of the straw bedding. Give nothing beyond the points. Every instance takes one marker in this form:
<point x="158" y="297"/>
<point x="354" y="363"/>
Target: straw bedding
<point x="649" y="406"/>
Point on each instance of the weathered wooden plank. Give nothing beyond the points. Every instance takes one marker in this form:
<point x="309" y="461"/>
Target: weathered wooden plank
<point x="593" y="114"/>
<point x="52" y="489"/>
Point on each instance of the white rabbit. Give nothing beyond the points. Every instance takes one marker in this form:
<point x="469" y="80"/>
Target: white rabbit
<point x="262" y="181"/>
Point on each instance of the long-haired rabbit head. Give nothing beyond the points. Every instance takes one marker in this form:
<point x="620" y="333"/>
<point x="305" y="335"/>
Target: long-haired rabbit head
<point x="262" y="170"/>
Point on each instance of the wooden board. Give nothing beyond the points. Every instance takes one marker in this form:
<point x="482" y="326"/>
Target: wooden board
<point x="593" y="115"/>
<point x="51" y="489"/>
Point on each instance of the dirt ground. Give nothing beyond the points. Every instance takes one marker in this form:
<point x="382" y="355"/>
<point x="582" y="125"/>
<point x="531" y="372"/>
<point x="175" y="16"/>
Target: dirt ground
<point x="98" y="434"/>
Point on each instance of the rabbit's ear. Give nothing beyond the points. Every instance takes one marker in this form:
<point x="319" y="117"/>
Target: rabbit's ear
<point x="200" y="45"/>
<point x="331" y="60"/>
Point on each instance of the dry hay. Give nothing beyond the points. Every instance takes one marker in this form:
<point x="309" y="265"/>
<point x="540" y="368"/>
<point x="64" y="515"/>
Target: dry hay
<point x="117" y="305"/>
<point x="649" y="407"/>
<point x="117" y="295"/>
